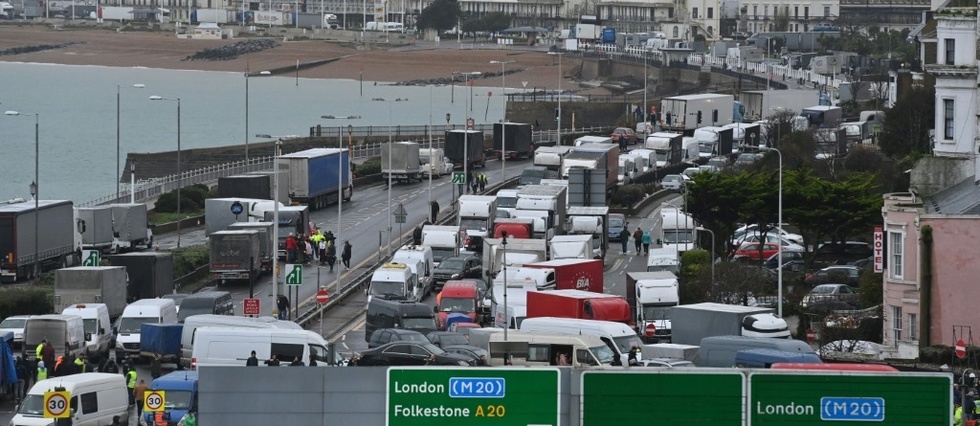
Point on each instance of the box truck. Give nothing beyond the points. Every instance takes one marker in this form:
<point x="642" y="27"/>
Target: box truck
<point x="434" y="162"/>
<point x="316" y="175"/>
<point x="96" y="227"/>
<point x="513" y="140"/>
<point x="58" y="241"/>
<point x="762" y="104"/>
<point x="234" y="255"/>
<point x="688" y="112"/>
<point x="130" y="227"/>
<point x="405" y="165"/>
<point x="220" y="212"/>
<point x="465" y="146"/>
<point x="255" y="186"/>
<point x="691" y="323"/>
<point x="651" y="295"/>
<point x="267" y="241"/>
<point x="578" y="304"/>
<point x="91" y="284"/>
<point x="573" y="274"/>
<point x="151" y="274"/>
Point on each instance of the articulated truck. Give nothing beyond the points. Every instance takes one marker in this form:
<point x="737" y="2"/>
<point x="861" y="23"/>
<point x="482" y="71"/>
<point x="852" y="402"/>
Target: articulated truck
<point x="45" y="235"/>
<point x="314" y="178"/>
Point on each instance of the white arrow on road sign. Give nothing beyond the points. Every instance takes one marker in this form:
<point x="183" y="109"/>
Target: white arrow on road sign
<point x="91" y="258"/>
<point x="294" y="274"/>
<point x="459" y="177"/>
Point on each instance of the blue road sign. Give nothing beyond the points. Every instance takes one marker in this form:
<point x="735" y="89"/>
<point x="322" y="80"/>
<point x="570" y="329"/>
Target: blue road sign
<point x="477" y="387"/>
<point x="852" y="409"/>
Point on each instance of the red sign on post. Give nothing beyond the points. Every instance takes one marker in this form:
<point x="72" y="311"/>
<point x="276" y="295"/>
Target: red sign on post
<point x="960" y="349"/>
<point x="650" y="330"/>
<point x="322" y="297"/>
<point x="251" y="307"/>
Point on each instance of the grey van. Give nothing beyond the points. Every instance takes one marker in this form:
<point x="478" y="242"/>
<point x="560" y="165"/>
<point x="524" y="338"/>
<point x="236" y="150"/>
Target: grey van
<point x="206" y="302"/>
<point x="383" y="313"/>
<point x="720" y="351"/>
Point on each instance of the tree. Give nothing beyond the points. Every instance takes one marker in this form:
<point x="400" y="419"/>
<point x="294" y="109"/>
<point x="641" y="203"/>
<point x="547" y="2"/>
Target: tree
<point x="715" y="200"/>
<point x="736" y="283"/>
<point x="496" y="22"/>
<point x="908" y="122"/>
<point x="441" y="15"/>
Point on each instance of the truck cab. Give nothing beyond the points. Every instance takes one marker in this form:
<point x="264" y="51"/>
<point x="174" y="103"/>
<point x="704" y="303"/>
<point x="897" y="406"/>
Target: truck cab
<point x="443" y="240"/>
<point x="475" y="218"/>
<point x="651" y="296"/>
<point x="458" y="296"/>
<point x="393" y="280"/>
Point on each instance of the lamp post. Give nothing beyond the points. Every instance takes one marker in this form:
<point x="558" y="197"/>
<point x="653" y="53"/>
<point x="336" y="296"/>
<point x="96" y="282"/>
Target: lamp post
<point x="503" y="123"/>
<point x="340" y="180"/>
<point x="701" y="228"/>
<point x="389" y="102"/>
<point x="247" y="75"/>
<point x="779" y="225"/>
<point x="180" y="177"/>
<point x="559" y="54"/>
<point x="275" y="223"/>
<point x="118" y="139"/>
<point x="35" y="191"/>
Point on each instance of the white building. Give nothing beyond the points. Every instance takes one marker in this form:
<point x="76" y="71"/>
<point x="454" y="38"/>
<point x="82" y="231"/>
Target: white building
<point x="797" y="16"/>
<point x="955" y="69"/>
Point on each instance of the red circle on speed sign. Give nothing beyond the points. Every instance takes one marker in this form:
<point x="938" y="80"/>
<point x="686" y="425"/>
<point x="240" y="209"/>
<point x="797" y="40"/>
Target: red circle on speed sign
<point x="322" y="297"/>
<point x="650" y="330"/>
<point x="960" y="349"/>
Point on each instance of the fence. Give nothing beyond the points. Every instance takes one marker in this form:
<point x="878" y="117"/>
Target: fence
<point x="396" y="131"/>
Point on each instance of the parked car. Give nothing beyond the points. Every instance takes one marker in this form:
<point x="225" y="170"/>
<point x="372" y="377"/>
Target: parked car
<point x="832" y="296"/>
<point x="480" y="356"/>
<point x="383" y="336"/>
<point x="751" y="251"/>
<point x="865" y="263"/>
<point x="457" y="267"/>
<point x="794" y="271"/>
<point x="841" y="253"/>
<point x="15" y="324"/>
<point x="745" y="230"/>
<point x="410" y="353"/>
<point x="788" y="256"/>
<point x="774" y="239"/>
<point x="447" y="338"/>
<point x="674" y="182"/>
<point x="624" y="132"/>
<point x="838" y="274"/>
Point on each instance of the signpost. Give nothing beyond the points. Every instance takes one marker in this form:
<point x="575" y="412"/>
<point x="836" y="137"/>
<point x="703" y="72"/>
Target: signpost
<point x="459" y="178"/>
<point x="322" y="297"/>
<point x="621" y="397"/>
<point x="251" y="307"/>
<point x="56" y="405"/>
<point x="798" y="398"/>
<point x="473" y="396"/>
<point x="154" y="400"/>
<point x="91" y="258"/>
<point x="960" y="349"/>
<point x="294" y="274"/>
<point x="237" y="209"/>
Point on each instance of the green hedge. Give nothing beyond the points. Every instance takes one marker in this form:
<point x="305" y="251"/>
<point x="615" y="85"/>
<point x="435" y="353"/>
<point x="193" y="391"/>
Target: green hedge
<point x="32" y="300"/>
<point x="369" y="167"/>
<point x="187" y="259"/>
<point x="191" y="199"/>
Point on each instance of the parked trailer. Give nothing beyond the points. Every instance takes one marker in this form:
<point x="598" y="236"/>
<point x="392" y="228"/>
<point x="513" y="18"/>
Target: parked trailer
<point x="58" y="240"/>
<point x="688" y="112"/>
<point x="96" y="227"/>
<point x="130" y="226"/>
<point x="551" y="157"/>
<point x="245" y="186"/>
<point x="235" y="255"/>
<point x="267" y="243"/>
<point x="151" y="274"/>
<point x="516" y="137"/>
<point x="762" y="104"/>
<point x="314" y="178"/>
<point x="91" y="284"/>
<point x="405" y="165"/>
<point x="465" y="145"/>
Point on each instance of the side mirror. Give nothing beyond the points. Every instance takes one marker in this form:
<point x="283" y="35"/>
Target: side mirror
<point x="102" y="331"/>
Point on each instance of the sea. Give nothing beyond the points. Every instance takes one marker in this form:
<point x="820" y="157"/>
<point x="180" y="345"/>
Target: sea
<point x="76" y="109"/>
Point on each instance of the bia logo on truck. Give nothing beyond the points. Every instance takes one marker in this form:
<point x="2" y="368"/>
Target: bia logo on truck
<point x="582" y="283"/>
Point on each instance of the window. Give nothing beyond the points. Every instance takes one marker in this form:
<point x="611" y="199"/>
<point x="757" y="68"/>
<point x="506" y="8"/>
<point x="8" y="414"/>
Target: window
<point x="711" y="12"/>
<point x="897" y="323"/>
<point x="948" y="119"/>
<point x="896" y="243"/>
<point x="675" y="36"/>
<point x="90" y="403"/>
<point x="538" y="353"/>
<point x="755" y="11"/>
<point x="694" y="13"/>
<point x="765" y="9"/>
<point x="319" y="353"/>
<point x="806" y="12"/>
<point x="826" y="11"/>
<point x="796" y="12"/>
<point x="950" y="50"/>
<point x="913" y="326"/>
<point x="287" y="353"/>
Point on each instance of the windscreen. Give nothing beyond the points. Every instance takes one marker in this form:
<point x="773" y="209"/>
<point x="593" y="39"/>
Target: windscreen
<point x="661" y="155"/>
<point x="33" y="405"/>
<point x="625" y="343"/>
<point x="423" y="159"/>
<point x="616" y="222"/>
<point x="656" y="313"/>
<point x="453" y="304"/>
<point x="418" y="323"/>
<point x="13" y="323"/>
<point x="604" y="354"/>
<point x="453" y="339"/>
<point x="387" y="288"/>
<point x="678" y="236"/>
<point x="132" y="324"/>
<point x="506" y="202"/>
<point x="439" y="254"/>
<point x="452" y="264"/>
<point x="473" y="223"/>
<point x="180" y="400"/>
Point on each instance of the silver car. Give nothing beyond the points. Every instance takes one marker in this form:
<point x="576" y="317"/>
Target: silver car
<point x="674" y="182"/>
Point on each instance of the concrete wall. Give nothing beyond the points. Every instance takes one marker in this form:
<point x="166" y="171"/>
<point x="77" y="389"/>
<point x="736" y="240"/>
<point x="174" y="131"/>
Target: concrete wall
<point x="933" y="174"/>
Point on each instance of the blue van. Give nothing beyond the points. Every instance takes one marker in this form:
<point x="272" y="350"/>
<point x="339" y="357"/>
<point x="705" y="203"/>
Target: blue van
<point x="765" y="358"/>
<point x="180" y="389"/>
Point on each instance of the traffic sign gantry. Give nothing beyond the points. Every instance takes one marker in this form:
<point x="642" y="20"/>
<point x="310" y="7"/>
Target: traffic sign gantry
<point x="56" y="405"/>
<point x="154" y="400"/>
<point x="810" y="398"/>
<point x="621" y="397"/>
<point x="472" y="396"/>
<point x="251" y="307"/>
<point x="322" y="297"/>
<point x="960" y="349"/>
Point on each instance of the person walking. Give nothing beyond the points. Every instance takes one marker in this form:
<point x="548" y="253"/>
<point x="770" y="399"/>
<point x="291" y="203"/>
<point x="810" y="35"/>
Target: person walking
<point x="345" y="255"/>
<point x="637" y="239"/>
<point x="624" y="239"/>
<point x="331" y="255"/>
<point x="483" y="182"/>
<point x="291" y="248"/>
<point x="252" y="361"/>
<point x="161" y="418"/>
<point x="42" y="371"/>
<point x="155" y="369"/>
<point x="301" y="248"/>
<point x="646" y="242"/>
<point x="315" y="240"/>
<point x="139" y="392"/>
<point x="469" y="181"/>
<point x="39" y="350"/>
<point x="131" y="384"/>
<point x="282" y="302"/>
<point x="20" y="388"/>
<point x="47" y="354"/>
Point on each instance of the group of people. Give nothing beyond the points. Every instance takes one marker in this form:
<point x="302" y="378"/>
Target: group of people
<point x="963" y="413"/>
<point x="318" y="246"/>
<point x="641" y="240"/>
<point x="477" y="183"/>
<point x="253" y="361"/>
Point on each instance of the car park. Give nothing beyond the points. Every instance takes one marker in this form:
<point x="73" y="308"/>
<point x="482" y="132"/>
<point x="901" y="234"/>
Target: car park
<point x="410" y="353"/>
<point x="838" y="274"/>
<point x="832" y="296"/>
<point x="383" y="336"/>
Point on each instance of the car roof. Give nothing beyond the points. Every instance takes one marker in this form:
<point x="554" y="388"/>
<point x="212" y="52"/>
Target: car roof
<point x="467" y="347"/>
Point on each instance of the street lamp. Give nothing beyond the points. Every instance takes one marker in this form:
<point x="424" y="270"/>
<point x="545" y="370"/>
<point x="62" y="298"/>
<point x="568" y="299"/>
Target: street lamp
<point x="118" y="166"/>
<point x="503" y="123"/>
<point x="779" y="225"/>
<point x="180" y="177"/>
<point x="340" y="180"/>
<point x="389" y="102"/>
<point x="275" y="222"/>
<point x="247" y="75"/>
<point x="34" y="185"/>
<point x="559" y="54"/>
<point x="712" y="252"/>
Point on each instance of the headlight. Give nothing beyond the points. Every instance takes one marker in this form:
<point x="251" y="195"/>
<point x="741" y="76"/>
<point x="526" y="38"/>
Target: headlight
<point x="463" y="363"/>
<point x="455" y="276"/>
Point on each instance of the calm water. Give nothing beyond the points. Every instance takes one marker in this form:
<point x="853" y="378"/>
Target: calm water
<point x="77" y="107"/>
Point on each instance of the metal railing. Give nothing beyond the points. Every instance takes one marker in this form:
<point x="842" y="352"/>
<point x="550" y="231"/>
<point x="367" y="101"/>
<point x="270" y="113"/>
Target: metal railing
<point x="396" y="131"/>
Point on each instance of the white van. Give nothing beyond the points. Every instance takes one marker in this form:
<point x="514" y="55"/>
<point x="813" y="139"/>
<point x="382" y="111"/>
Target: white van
<point x="143" y="311"/>
<point x="95" y="399"/>
<point x="618" y="336"/>
<point x="98" y="328"/>
<point x="523" y="348"/>
<point x="411" y="255"/>
<point x="228" y="346"/>
<point x="191" y="324"/>
<point x="65" y="333"/>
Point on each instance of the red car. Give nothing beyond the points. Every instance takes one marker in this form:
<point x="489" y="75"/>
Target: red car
<point x="624" y="132"/>
<point x="751" y="251"/>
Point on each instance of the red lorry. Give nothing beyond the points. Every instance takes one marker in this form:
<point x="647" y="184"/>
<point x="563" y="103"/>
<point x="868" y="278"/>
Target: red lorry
<point x="574" y="274"/>
<point x="516" y="227"/>
<point x="458" y="296"/>
<point x="578" y="304"/>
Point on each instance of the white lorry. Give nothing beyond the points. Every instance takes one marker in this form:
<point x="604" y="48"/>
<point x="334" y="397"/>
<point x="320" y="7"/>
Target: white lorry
<point x="644" y="159"/>
<point x="677" y="230"/>
<point x="690" y="150"/>
<point x="507" y="201"/>
<point x="667" y="146"/>
<point x="520" y="251"/>
<point x="651" y="296"/>
<point x="688" y="112"/>
<point x="762" y="104"/>
<point x="475" y="218"/>
<point x="543" y="198"/>
<point x="443" y="240"/>
<point x="551" y="157"/>
<point x="664" y="259"/>
<point x="627" y="170"/>
<point x="516" y="305"/>
<point x="571" y="247"/>
<point x="434" y="162"/>
<point x="394" y="280"/>
<point x="405" y="165"/>
<point x="707" y="138"/>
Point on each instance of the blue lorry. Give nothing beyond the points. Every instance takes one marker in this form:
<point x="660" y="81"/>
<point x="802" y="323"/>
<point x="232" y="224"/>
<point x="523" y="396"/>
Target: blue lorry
<point x="180" y="395"/>
<point x="161" y="340"/>
<point x="315" y="176"/>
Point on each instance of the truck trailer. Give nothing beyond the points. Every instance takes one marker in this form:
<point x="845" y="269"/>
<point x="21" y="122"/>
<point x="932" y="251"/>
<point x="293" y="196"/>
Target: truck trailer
<point x="96" y="228"/>
<point x="59" y="243"/>
<point x="551" y="157"/>
<point x="761" y="104"/>
<point x="267" y="242"/>
<point x="219" y="212"/>
<point x="651" y="296"/>
<point x="405" y="165"/>
<point x="130" y="227"/>
<point x="465" y="146"/>
<point x="578" y="304"/>
<point x="246" y="186"/>
<point x="573" y="274"/>
<point x="151" y="274"/>
<point x="91" y="284"/>
<point x="234" y="255"/>
<point x="513" y="140"/>
<point x="688" y="112"/>
<point x="697" y="321"/>
<point x="317" y="174"/>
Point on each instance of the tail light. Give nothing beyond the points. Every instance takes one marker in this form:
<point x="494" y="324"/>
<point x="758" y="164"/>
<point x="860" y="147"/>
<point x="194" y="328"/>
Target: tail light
<point x="193" y="363"/>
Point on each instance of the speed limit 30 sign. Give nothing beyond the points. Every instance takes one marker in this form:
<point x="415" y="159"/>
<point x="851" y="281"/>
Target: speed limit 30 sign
<point x="154" y="400"/>
<point x="56" y="405"/>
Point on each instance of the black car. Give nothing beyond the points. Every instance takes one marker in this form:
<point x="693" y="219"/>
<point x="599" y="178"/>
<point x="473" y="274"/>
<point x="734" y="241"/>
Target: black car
<point x="456" y="267"/>
<point x="837" y="274"/>
<point x="478" y="355"/>
<point x="447" y="338"/>
<point x="411" y="353"/>
<point x="383" y="336"/>
<point x="842" y="253"/>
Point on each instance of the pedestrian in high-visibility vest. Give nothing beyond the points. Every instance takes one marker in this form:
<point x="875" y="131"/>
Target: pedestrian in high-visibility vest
<point x="161" y="418"/>
<point x="131" y="384"/>
<point x="42" y="371"/>
<point x="40" y="347"/>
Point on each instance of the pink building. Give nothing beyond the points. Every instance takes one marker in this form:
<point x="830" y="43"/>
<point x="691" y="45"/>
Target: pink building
<point x="943" y="309"/>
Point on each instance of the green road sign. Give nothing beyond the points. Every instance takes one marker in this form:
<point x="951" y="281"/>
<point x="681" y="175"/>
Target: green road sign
<point x="797" y="398"/>
<point x="294" y="274"/>
<point x="459" y="177"/>
<point x="671" y="397"/>
<point x="91" y="258"/>
<point x="472" y="396"/>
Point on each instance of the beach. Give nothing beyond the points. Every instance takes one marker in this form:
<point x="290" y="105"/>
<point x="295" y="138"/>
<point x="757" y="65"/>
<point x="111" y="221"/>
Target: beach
<point x="407" y="60"/>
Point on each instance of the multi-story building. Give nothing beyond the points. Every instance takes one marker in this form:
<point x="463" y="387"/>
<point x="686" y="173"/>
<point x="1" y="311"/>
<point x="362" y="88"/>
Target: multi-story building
<point x="784" y="15"/>
<point x="635" y="16"/>
<point x="885" y="14"/>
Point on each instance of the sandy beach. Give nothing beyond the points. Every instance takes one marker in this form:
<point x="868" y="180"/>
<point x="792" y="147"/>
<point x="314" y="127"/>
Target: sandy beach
<point x="409" y="61"/>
